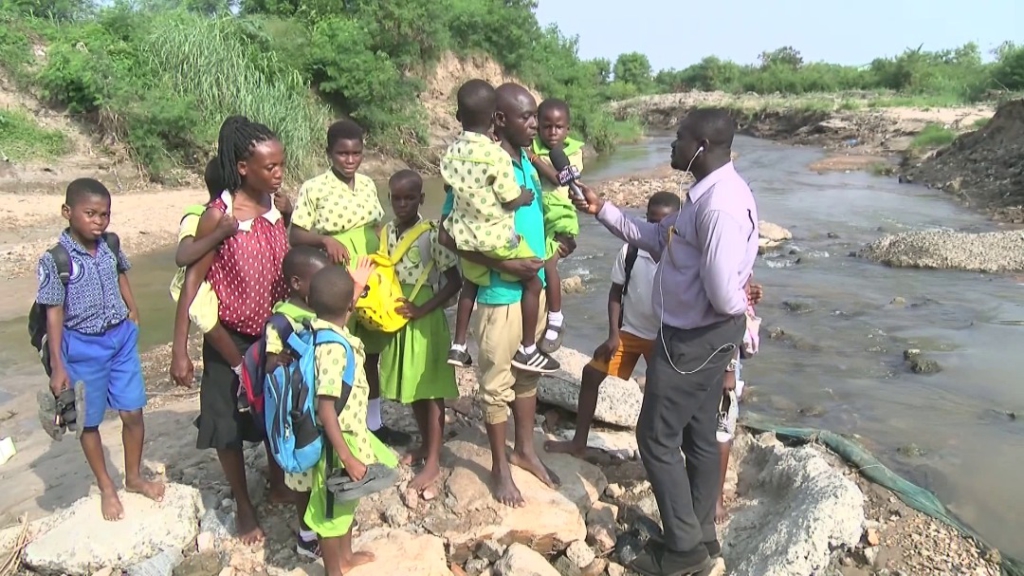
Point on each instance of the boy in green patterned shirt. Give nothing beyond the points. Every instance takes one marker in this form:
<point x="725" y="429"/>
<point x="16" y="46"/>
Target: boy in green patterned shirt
<point x="486" y="195"/>
<point x="341" y="411"/>
<point x="559" y="213"/>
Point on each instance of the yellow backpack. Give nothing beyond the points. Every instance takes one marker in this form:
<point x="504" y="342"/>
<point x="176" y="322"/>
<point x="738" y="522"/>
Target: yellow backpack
<point x="376" y="309"/>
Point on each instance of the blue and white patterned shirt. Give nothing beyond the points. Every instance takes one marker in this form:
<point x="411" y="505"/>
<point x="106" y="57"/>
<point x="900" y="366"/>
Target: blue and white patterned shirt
<point x="92" y="301"/>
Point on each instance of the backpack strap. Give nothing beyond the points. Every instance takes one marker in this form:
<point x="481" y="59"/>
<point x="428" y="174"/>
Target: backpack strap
<point x="295" y="343"/>
<point x="114" y="243"/>
<point x="62" y="260"/>
<point x="421" y="280"/>
<point x="407" y="241"/>
<point x="631" y="254"/>
<point x="281" y="325"/>
<point x="331" y="337"/>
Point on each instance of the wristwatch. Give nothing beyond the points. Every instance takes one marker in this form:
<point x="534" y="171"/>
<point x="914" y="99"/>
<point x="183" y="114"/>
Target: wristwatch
<point x="733" y="365"/>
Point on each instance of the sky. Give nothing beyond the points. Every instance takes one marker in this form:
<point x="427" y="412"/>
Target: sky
<point x="677" y="33"/>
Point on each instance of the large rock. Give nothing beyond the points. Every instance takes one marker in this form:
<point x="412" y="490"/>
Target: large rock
<point x="522" y="561"/>
<point x="550" y="520"/>
<point x="618" y="401"/>
<point x="81" y="542"/>
<point x="773" y="232"/>
<point x="397" y="552"/>
<point x="793" y="509"/>
<point x="619" y="445"/>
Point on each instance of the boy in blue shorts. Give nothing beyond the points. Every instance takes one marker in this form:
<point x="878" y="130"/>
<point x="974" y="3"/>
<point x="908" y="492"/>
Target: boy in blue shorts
<point x="92" y="334"/>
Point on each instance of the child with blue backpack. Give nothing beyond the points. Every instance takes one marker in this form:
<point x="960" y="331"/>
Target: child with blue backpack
<point x="289" y="317"/>
<point x="351" y="451"/>
<point x="300" y="264"/>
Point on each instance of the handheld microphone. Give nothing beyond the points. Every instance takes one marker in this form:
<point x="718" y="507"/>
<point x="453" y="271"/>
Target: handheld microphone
<point x="567" y="175"/>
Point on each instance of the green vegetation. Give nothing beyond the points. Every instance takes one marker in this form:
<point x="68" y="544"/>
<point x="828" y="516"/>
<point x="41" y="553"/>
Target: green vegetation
<point x="933" y="136"/>
<point x="920" y="77"/>
<point x="981" y="123"/>
<point x="22" y="139"/>
<point x="160" y="75"/>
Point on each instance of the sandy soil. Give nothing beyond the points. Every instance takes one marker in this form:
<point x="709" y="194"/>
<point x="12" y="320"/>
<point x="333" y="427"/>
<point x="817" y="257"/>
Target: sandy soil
<point x="31" y="222"/>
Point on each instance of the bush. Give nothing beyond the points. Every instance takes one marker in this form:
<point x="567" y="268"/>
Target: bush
<point x="76" y="78"/>
<point x="933" y="136"/>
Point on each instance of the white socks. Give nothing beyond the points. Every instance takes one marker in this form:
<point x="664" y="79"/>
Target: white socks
<point x="307" y="535"/>
<point x="373" y="419"/>
<point x="555" y="320"/>
<point x="459" y="347"/>
<point x="528" y="349"/>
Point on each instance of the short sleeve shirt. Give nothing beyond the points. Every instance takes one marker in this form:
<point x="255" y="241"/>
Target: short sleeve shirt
<point x="480" y="174"/>
<point x="331" y="361"/>
<point x="420" y="254"/>
<point x="638" y="317"/>
<point x="529" y="222"/>
<point x="92" y="300"/>
<point x="328" y="206"/>
<point x="295" y="316"/>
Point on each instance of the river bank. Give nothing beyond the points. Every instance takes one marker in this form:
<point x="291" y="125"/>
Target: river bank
<point x="855" y="125"/>
<point x="822" y="514"/>
<point x="842" y="327"/>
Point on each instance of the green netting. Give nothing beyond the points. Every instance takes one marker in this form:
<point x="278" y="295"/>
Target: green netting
<point x="911" y="494"/>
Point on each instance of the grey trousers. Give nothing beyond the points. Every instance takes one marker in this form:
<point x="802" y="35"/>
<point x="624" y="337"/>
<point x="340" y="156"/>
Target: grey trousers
<point x="680" y="412"/>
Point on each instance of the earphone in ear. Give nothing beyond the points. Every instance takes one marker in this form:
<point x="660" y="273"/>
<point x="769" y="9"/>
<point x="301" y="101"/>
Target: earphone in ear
<point x="699" y="150"/>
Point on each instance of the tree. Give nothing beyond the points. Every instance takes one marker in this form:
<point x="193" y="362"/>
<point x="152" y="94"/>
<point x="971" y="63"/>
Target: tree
<point x="786" y="56"/>
<point x="633" y="68"/>
<point x="603" y="68"/>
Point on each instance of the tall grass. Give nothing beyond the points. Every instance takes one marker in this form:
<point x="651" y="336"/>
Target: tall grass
<point x="212" y="63"/>
<point x="21" y="138"/>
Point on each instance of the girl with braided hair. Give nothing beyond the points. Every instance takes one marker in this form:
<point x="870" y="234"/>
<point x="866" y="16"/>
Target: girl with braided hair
<point x="245" y="272"/>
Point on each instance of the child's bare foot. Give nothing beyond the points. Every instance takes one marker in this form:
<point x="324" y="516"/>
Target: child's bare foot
<point x="505" y="490"/>
<point x="247" y="526"/>
<point x="569" y="447"/>
<point x="110" y="505"/>
<point x="357" y="559"/>
<point x="532" y="464"/>
<point x="152" y="490"/>
<point x="427" y="476"/>
<point x="414" y="457"/>
<point x="721" y="514"/>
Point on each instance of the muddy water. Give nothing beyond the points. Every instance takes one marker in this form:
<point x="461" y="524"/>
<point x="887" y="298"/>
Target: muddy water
<point x="840" y="364"/>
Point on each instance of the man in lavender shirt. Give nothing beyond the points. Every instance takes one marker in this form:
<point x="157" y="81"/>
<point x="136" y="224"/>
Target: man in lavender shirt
<point x="706" y="258"/>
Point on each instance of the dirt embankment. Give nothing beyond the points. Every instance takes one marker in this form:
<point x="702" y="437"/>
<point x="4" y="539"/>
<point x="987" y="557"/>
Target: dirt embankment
<point x="857" y="134"/>
<point x="984" y="168"/>
<point x="146" y="216"/>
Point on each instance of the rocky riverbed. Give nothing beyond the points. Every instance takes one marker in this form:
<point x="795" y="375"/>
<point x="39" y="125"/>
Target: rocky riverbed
<point x="794" y="510"/>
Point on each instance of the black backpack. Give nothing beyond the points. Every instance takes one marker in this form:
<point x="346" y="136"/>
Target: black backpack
<point x="37" y="314"/>
<point x="631" y="253"/>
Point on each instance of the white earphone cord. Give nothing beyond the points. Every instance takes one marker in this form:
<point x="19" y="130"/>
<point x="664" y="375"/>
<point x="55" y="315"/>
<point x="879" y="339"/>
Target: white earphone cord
<point x="661" y="279"/>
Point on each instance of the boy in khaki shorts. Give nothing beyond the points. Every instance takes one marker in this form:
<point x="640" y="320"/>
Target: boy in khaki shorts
<point x="486" y="195"/>
<point x="632" y="326"/>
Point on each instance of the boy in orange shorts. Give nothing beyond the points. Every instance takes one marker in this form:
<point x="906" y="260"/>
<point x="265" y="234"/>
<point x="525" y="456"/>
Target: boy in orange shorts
<point x="632" y="326"/>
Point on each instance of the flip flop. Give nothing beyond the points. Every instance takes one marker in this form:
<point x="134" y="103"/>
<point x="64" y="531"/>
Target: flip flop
<point x="550" y="346"/>
<point x="378" y="477"/>
<point x="48" y="415"/>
